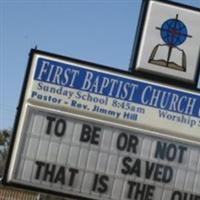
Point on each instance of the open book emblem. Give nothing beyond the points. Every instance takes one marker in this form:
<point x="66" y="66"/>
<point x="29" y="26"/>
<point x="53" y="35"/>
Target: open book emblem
<point x="173" y="32"/>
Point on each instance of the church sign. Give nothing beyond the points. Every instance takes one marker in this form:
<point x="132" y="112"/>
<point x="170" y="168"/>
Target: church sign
<point x="93" y="132"/>
<point x="89" y="159"/>
<point x="168" y="41"/>
<point x="105" y="94"/>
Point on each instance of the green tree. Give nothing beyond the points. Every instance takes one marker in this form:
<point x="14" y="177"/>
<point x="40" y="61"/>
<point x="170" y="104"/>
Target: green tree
<point x="4" y="145"/>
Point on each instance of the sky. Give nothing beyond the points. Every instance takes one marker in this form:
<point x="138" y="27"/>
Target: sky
<point x="99" y="31"/>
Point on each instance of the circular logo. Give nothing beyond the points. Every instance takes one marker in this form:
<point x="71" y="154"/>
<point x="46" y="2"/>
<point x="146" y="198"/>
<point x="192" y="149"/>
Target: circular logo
<point x="173" y="32"/>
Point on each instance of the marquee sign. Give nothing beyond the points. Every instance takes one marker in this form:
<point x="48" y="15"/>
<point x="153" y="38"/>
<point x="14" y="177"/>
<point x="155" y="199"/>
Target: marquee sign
<point x="85" y="158"/>
<point x="174" y="48"/>
<point x="93" y="132"/>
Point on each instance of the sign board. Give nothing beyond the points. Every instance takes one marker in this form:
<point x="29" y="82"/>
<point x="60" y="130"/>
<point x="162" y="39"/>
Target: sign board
<point x="78" y="132"/>
<point x="113" y="96"/>
<point x="95" y="160"/>
<point x="173" y="50"/>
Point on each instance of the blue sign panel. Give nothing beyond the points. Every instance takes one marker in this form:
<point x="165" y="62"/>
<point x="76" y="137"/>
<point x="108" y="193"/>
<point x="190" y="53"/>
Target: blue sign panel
<point x="126" y="89"/>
